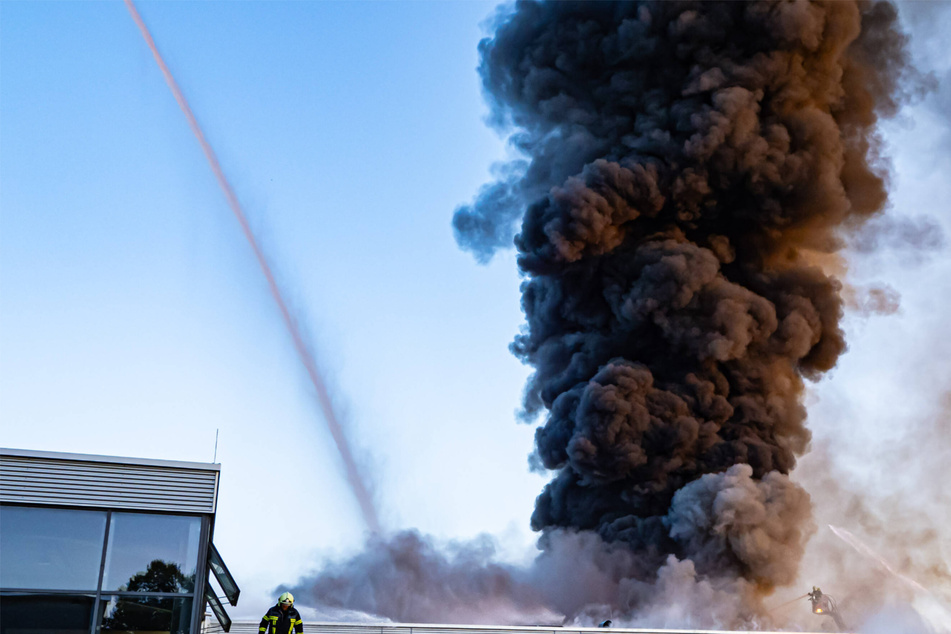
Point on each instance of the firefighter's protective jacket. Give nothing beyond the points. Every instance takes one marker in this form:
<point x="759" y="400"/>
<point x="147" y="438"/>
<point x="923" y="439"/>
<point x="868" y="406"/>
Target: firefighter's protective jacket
<point x="281" y="621"/>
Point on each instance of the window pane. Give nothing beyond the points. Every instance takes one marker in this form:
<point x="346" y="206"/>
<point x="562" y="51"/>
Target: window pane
<point x="50" y="549"/>
<point x="152" y="553"/>
<point x="61" y="614"/>
<point x="223" y="575"/>
<point x="146" y="614"/>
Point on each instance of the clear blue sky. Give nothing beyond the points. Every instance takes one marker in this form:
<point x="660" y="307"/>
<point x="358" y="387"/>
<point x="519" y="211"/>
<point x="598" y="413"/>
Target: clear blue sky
<point x="134" y="320"/>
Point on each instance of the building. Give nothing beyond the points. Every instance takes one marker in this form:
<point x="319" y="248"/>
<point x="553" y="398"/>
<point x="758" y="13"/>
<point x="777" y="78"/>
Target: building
<point x="97" y="544"/>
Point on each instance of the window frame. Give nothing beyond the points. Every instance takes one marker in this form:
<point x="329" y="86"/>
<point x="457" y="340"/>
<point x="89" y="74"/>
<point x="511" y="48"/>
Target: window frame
<point x="108" y="543"/>
<point x="104" y="596"/>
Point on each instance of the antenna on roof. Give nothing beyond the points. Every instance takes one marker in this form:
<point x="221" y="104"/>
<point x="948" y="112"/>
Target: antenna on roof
<point x="215" y="459"/>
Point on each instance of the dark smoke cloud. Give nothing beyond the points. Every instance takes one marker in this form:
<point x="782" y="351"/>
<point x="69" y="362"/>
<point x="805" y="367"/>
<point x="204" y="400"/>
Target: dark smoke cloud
<point x="637" y="80"/>
<point x="692" y="155"/>
<point x="488" y="224"/>
<point x="685" y="166"/>
<point x="671" y="315"/>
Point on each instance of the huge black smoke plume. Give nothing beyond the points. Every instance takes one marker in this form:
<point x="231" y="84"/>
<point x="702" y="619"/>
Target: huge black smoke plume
<point x="685" y="165"/>
<point x="684" y="158"/>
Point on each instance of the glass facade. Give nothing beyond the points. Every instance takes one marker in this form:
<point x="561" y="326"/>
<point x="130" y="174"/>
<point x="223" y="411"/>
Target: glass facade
<point x="152" y="553"/>
<point x="51" y="548"/>
<point x="85" y="572"/>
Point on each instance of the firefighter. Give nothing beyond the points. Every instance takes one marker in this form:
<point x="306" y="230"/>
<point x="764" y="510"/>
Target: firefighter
<point x="283" y="618"/>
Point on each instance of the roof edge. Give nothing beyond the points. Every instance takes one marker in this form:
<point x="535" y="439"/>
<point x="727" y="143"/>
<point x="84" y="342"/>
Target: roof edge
<point x="81" y="457"/>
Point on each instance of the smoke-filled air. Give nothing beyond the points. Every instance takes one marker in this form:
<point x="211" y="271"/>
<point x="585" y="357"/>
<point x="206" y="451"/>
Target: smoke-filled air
<point x="683" y="167"/>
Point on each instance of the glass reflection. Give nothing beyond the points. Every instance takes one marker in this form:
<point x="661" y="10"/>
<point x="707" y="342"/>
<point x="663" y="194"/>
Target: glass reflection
<point x="51" y="549"/>
<point x="160" y="576"/>
<point x="49" y="614"/>
<point x="146" y="614"/>
<point x="152" y="553"/>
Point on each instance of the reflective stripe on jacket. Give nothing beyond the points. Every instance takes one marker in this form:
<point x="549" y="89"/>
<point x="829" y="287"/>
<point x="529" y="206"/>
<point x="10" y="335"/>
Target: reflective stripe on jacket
<point x="279" y="621"/>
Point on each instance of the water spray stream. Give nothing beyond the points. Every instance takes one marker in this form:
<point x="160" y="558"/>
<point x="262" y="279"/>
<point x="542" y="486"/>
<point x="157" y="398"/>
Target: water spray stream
<point x="861" y="548"/>
<point x="931" y="607"/>
<point x="354" y="477"/>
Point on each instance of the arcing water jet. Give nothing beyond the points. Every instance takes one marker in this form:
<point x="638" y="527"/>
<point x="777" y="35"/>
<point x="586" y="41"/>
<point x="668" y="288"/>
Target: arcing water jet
<point x="354" y="477"/>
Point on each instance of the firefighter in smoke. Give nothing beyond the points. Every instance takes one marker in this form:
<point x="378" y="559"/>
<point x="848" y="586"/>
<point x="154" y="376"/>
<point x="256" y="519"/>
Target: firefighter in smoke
<point x="283" y="618"/>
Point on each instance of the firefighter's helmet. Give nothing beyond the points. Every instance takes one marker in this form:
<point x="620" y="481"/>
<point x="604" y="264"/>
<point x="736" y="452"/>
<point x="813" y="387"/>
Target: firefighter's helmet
<point x="286" y="599"/>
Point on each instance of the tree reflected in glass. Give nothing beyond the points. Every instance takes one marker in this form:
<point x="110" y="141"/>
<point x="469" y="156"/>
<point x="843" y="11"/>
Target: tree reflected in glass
<point x="160" y="576"/>
<point x="155" y="614"/>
